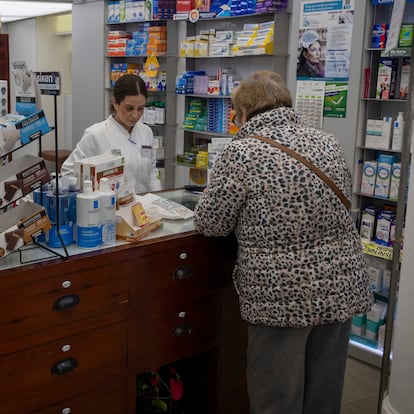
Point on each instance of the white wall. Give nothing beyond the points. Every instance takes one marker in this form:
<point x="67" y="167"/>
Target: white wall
<point x="89" y="46"/>
<point x="401" y="397"/>
<point x="35" y="42"/>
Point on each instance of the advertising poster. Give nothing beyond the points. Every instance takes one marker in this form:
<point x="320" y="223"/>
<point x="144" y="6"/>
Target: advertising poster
<point x="309" y="102"/>
<point x="324" y="40"/>
<point x="49" y="82"/>
<point x="324" y="55"/>
<point x="335" y="99"/>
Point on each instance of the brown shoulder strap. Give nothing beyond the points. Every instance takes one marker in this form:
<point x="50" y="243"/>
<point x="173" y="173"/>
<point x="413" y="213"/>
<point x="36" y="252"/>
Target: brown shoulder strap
<point x="311" y="166"/>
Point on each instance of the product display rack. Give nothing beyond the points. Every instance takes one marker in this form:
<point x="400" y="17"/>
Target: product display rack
<point x="372" y="107"/>
<point x="242" y="66"/>
<point x="167" y="62"/>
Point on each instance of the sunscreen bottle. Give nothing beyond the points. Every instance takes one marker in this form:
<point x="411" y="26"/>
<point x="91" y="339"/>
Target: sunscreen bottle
<point x="88" y="217"/>
<point x="107" y="198"/>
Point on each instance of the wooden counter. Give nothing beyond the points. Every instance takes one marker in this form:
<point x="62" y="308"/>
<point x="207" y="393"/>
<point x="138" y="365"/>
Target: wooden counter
<point x="75" y="333"/>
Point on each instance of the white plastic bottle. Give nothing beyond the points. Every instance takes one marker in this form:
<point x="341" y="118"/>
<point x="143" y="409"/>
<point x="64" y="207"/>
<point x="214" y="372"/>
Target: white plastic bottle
<point x="88" y="217"/>
<point x="398" y="132"/>
<point x="107" y="198"/>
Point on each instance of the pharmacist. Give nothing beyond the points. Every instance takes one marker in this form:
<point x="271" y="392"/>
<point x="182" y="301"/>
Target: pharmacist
<point x="123" y="134"/>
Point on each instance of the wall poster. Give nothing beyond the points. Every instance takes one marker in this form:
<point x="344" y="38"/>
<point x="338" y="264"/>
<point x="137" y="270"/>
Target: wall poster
<point x="324" y="49"/>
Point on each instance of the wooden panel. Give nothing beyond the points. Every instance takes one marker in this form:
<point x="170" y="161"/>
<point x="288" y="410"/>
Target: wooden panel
<point x="29" y="384"/>
<point x="159" y="342"/>
<point x="198" y="261"/>
<point x="109" y="400"/>
<point x="28" y="298"/>
<point x="4" y="63"/>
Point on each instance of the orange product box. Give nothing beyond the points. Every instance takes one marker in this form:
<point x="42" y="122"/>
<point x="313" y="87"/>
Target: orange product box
<point x="158" y="35"/>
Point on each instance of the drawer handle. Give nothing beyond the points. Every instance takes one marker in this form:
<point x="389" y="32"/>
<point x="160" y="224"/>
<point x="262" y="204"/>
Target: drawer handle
<point x="183" y="329"/>
<point x="183" y="272"/>
<point x="66" y="302"/>
<point x="65" y="366"/>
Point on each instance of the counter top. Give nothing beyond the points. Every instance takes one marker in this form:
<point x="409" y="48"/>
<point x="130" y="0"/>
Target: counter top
<point x="35" y="253"/>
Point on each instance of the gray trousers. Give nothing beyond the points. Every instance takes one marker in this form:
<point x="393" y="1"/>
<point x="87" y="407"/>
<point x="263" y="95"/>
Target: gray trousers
<point x="296" y="370"/>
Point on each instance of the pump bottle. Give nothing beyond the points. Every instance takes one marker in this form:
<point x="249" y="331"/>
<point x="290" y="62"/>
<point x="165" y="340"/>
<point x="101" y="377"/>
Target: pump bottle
<point x="398" y="132"/>
<point x="107" y="198"/>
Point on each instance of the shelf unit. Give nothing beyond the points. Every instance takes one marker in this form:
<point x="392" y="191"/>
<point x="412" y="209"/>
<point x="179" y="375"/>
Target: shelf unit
<point x="167" y="62"/>
<point x="243" y="65"/>
<point x="373" y="108"/>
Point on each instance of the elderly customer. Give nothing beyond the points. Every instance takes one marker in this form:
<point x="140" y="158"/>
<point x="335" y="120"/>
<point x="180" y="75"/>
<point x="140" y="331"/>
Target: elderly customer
<point x="300" y="272"/>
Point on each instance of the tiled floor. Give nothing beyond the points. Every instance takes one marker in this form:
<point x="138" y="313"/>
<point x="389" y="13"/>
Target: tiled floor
<point x="361" y="388"/>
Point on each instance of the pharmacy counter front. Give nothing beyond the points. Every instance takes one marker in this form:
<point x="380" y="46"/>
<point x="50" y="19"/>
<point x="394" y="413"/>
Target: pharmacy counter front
<point x="76" y="334"/>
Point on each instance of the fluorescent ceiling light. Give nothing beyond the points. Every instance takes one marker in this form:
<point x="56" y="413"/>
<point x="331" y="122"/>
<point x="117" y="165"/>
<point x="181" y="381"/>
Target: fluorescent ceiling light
<point x="17" y="10"/>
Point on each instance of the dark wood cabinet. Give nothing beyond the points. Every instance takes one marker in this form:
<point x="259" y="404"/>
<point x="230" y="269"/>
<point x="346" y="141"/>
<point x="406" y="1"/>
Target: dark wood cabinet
<point x="75" y="334"/>
<point x="5" y="64"/>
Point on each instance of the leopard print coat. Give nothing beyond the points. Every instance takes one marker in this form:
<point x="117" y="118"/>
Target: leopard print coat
<point x="300" y="261"/>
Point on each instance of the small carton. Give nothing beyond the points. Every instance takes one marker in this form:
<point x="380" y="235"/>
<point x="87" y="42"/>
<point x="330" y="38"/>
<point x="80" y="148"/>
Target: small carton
<point x="395" y="180"/>
<point x="383" y="180"/>
<point x="367" y="226"/>
<point x="387" y="76"/>
<point x="19" y="225"/>
<point x="369" y="174"/>
<point x="99" y="166"/>
<point x="127" y="227"/>
<point x="404" y="78"/>
<point x="21" y="177"/>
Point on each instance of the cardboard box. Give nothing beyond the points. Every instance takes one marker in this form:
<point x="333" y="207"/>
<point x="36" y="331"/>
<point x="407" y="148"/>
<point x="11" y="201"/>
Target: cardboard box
<point x="21" y="177"/>
<point x="387" y="76"/>
<point x="33" y="127"/>
<point x="99" y="166"/>
<point x="20" y="224"/>
<point x="127" y="228"/>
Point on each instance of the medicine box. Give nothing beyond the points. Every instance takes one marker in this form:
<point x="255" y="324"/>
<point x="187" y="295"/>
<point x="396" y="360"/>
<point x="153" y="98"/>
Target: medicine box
<point x="99" y="166"/>
<point x="387" y="76"/>
<point x="378" y="133"/>
<point x="21" y="177"/>
<point x="404" y="78"/>
<point x="33" y="127"/>
<point x="367" y="226"/>
<point x="20" y="224"/>
<point x="383" y="180"/>
<point x="395" y="180"/>
<point x="369" y="174"/>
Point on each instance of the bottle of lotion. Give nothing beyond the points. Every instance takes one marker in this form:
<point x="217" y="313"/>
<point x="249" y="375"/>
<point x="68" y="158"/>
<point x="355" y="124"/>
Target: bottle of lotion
<point x="88" y="217"/>
<point x="398" y="132"/>
<point x="107" y="198"/>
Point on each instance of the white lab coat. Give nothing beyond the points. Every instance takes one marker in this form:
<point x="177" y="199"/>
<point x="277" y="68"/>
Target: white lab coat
<point x="136" y="147"/>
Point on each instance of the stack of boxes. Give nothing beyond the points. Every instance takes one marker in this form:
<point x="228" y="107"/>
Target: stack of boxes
<point x="253" y="39"/>
<point x="148" y="40"/>
<point x="381" y="177"/>
<point x="120" y="11"/>
<point x="222" y="8"/>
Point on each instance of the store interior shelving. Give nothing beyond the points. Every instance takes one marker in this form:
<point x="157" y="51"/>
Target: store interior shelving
<point x="374" y="106"/>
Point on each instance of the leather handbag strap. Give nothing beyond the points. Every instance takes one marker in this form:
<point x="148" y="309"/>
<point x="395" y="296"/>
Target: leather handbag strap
<point x="311" y="166"/>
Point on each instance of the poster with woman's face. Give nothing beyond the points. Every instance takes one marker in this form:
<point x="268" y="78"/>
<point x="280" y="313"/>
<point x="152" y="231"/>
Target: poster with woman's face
<point x="324" y="40"/>
<point x="311" y="53"/>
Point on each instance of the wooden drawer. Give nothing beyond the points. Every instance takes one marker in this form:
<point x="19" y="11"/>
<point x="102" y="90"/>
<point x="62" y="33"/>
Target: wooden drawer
<point x="177" y="329"/>
<point x="109" y="400"/>
<point x="49" y="302"/>
<point x="194" y="263"/>
<point x="63" y="370"/>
